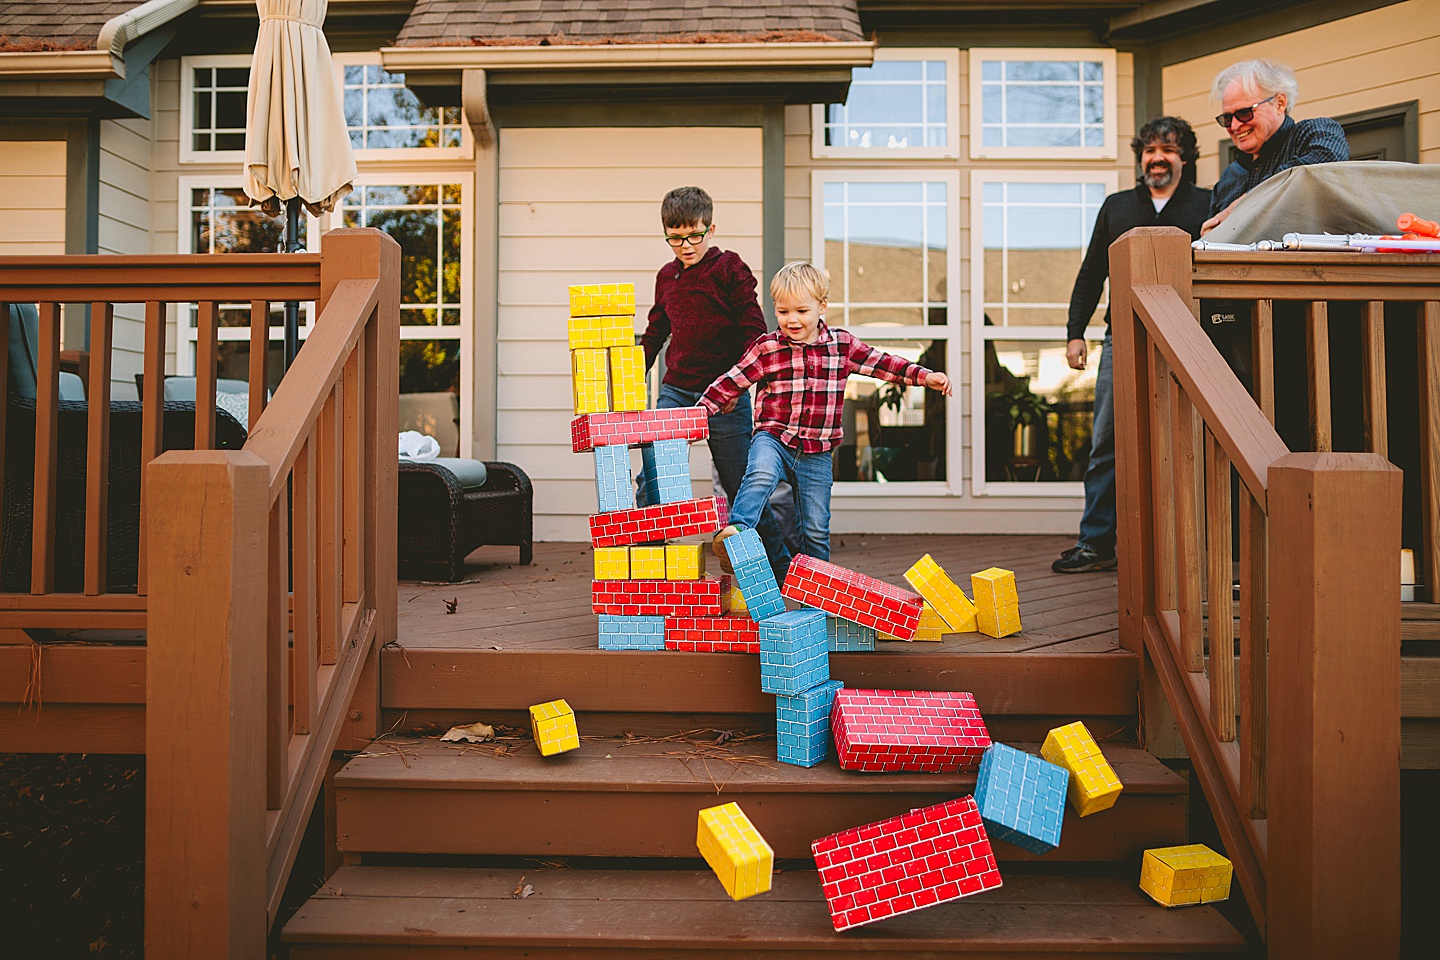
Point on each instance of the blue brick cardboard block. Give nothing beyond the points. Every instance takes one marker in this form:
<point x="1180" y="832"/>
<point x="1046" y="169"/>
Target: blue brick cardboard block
<point x="1021" y="798"/>
<point x="802" y="725"/>
<point x="612" y="478"/>
<point x="794" y="654"/>
<point x="631" y="633"/>
<point x="666" y="471"/>
<point x="846" y="635"/>
<point x="753" y="575"/>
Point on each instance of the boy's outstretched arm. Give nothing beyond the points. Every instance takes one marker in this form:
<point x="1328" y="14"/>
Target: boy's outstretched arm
<point x="721" y="395"/>
<point x="870" y="362"/>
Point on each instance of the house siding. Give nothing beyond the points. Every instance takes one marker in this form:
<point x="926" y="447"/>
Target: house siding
<point x="32" y="197"/>
<point x="124" y="228"/>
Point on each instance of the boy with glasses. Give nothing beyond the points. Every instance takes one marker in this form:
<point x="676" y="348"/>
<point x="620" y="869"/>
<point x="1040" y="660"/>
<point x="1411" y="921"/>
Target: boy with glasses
<point x="706" y="307"/>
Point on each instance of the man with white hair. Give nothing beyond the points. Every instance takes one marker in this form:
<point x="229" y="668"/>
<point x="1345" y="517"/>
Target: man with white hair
<point x="1256" y="97"/>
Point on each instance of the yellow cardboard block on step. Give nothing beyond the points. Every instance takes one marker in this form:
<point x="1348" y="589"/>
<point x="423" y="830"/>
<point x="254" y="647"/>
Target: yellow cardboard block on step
<point x="647" y="563"/>
<point x="590" y="372"/>
<point x="627" y="378"/>
<point x="735" y="850"/>
<point x="732" y="600"/>
<point x="553" y="726"/>
<point x="930" y="580"/>
<point x="1093" y="784"/>
<point x="1185" y="875"/>
<point x="997" y="605"/>
<point x="932" y="626"/>
<point x="612" y="563"/>
<point x="602" y="299"/>
<point x="592" y="333"/>
<point x="684" y="561"/>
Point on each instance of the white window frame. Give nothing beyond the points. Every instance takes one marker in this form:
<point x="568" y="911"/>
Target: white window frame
<point x="188" y="65"/>
<point x="979" y="56"/>
<point x="954" y="482"/>
<point x="979" y="333"/>
<point x="464" y="151"/>
<point x="819" y="149"/>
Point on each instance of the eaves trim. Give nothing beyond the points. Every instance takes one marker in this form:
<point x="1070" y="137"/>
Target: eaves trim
<point x="107" y="60"/>
<point x="629" y="56"/>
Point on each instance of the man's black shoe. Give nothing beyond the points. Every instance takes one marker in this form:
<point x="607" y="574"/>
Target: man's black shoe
<point x="1083" y="559"/>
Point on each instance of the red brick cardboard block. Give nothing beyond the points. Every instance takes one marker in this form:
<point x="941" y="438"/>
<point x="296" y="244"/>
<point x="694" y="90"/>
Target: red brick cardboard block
<point x="658" y="598"/>
<point x="916" y="860"/>
<point x="637" y="426"/>
<point x="906" y="730"/>
<point x="661" y="521"/>
<point x="853" y="596"/>
<point x="725" y="634"/>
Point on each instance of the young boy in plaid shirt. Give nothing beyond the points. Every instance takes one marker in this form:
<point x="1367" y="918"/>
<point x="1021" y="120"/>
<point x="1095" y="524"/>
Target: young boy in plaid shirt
<point x="801" y="370"/>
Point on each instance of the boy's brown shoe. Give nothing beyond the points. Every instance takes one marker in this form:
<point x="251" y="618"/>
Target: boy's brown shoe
<point x="717" y="546"/>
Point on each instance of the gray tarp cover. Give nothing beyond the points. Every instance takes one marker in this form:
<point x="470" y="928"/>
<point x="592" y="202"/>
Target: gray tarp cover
<point x="1361" y="196"/>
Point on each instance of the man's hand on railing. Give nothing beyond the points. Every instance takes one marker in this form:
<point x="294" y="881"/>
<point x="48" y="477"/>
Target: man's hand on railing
<point x="1076" y="353"/>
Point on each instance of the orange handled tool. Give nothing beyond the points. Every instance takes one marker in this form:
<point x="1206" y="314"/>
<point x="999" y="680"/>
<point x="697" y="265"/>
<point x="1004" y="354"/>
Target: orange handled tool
<point x="1409" y="223"/>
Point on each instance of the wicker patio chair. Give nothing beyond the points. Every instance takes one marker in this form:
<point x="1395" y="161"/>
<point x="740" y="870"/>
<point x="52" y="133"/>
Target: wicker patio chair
<point x="440" y="522"/>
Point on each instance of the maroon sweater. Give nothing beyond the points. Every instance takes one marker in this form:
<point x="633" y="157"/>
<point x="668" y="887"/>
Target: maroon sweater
<point x="709" y="314"/>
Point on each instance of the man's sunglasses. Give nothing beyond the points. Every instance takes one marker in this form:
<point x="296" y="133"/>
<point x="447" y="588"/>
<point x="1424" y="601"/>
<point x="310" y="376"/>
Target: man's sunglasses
<point x="1244" y="114"/>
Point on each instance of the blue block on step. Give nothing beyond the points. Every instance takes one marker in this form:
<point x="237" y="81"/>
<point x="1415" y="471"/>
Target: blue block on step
<point x="1021" y="798"/>
<point x="753" y="575"/>
<point x="802" y="724"/>
<point x="631" y="633"/>
<point x="612" y="478"/>
<point x="794" y="653"/>
<point x="666" y="471"/>
<point x="847" y="635"/>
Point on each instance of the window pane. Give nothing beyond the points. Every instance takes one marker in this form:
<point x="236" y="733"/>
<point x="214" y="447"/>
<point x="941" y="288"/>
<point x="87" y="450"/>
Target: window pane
<point x="1042" y="103"/>
<point x="894" y="104"/>
<point x="428" y="230"/>
<point x="894" y="433"/>
<point x="1038" y="412"/>
<point x="1034" y="239"/>
<point x="1041" y="71"/>
<point x="217" y="108"/>
<point x="383" y="114"/>
<point x="885" y="246"/>
<point x="430" y="391"/>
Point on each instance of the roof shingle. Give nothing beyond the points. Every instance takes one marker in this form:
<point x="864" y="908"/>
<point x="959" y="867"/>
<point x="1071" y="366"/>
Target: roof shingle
<point x="71" y="25"/>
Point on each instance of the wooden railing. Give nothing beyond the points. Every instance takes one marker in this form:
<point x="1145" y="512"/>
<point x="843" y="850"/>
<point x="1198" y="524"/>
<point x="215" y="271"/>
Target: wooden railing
<point x="267" y="577"/>
<point x="1305" y="787"/>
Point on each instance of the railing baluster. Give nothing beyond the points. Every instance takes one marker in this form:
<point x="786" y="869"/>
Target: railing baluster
<point x="1429" y="349"/>
<point x="330" y="542"/>
<point x="1187" y="533"/>
<point x="152" y="413"/>
<point x="351" y="431"/>
<point x="259" y="358"/>
<point x="302" y="607"/>
<point x="47" y="438"/>
<point x="1222" y="634"/>
<point x="206" y="347"/>
<point x="1254" y="653"/>
<point x="1317" y="350"/>
<point x="1377" y="439"/>
<point x="97" y="453"/>
<point x="1262" y="337"/>
<point x="1162" y="478"/>
<point x="277" y="660"/>
<point x="5" y="395"/>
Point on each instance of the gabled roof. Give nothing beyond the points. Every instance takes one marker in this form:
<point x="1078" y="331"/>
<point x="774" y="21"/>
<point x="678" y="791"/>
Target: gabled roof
<point x="52" y="25"/>
<point x="560" y="22"/>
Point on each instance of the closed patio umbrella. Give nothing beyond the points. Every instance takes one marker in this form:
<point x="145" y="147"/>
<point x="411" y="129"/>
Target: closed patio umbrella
<point x="297" y="149"/>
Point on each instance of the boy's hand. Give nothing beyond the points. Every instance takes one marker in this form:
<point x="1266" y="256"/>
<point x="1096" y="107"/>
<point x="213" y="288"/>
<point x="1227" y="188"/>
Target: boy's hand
<point x="730" y="407"/>
<point x="939" y="381"/>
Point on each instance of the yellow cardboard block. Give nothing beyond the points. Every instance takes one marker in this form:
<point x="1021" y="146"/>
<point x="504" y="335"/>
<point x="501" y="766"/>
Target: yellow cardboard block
<point x="627" y="378"/>
<point x="590" y="372"/>
<point x="684" y="561"/>
<point x="1185" y="875"/>
<point x="732" y="600"/>
<point x="932" y="626"/>
<point x="1093" y="784"/>
<point x="647" y="563"/>
<point x="612" y="563"/>
<point x="997" y="605"/>
<point x="930" y="580"/>
<point x="602" y="299"/>
<point x="735" y="850"/>
<point x="590" y="333"/>
<point x="553" y="726"/>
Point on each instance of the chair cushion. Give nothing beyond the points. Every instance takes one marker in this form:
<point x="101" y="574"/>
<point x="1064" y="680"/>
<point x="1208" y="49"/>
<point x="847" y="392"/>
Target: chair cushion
<point x="24" y="362"/>
<point x="470" y="473"/>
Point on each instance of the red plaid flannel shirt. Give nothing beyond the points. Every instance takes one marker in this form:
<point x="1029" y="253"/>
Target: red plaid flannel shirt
<point x="802" y="385"/>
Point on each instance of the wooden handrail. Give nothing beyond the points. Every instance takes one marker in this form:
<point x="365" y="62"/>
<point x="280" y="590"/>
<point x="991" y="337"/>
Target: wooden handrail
<point x="169" y="278"/>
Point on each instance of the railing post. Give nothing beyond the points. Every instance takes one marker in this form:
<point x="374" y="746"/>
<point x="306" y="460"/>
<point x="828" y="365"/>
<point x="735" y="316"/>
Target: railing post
<point x="1334" y="775"/>
<point x="205" y="856"/>
<point x="1145" y="255"/>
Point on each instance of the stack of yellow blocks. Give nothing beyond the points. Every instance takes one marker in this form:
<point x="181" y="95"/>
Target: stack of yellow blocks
<point x="1093" y="784"/>
<point x="553" y="727"/>
<point x="1183" y="876"/>
<point x="997" y="605"/>
<point x="735" y="850"/>
<point x="932" y="626"/>
<point x="672" y="561"/>
<point x="930" y="580"/>
<point x="607" y="368"/>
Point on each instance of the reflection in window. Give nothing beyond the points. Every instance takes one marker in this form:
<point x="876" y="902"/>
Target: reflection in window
<point x="383" y="114"/>
<point x="892" y="105"/>
<point x="221" y="222"/>
<point x="885" y="249"/>
<point x="1035" y="236"/>
<point x="425" y="220"/>
<point x="217" y="119"/>
<point x="893" y="432"/>
<point x="430" y="391"/>
<point x="1043" y="103"/>
<point x="1038" y="411"/>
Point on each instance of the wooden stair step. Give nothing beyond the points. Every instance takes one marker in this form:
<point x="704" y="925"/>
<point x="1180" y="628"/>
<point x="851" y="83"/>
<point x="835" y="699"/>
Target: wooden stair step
<point x="640" y="798"/>
<point x="378" y="912"/>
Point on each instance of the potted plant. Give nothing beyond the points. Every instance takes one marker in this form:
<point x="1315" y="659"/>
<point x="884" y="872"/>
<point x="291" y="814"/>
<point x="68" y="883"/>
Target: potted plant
<point x="1026" y="412"/>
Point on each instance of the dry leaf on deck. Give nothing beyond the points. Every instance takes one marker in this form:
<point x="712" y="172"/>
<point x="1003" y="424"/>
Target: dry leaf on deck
<point x="471" y="733"/>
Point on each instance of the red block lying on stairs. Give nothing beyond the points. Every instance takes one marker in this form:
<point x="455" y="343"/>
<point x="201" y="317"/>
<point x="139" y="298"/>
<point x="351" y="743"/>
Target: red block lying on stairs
<point x="853" y="596"/>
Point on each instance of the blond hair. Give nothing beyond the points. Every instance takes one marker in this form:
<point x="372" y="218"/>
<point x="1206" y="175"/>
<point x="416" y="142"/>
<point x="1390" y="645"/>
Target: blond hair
<point x="798" y="279"/>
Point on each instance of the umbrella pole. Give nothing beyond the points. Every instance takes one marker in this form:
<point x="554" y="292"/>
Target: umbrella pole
<point x="292" y="307"/>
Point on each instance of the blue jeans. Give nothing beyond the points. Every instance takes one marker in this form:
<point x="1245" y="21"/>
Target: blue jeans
<point x="729" y="450"/>
<point x="1097" y="524"/>
<point x="810" y="474"/>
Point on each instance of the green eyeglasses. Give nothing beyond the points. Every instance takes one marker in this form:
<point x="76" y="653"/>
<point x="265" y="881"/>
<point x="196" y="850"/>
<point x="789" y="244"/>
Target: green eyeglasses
<point x="693" y="239"/>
